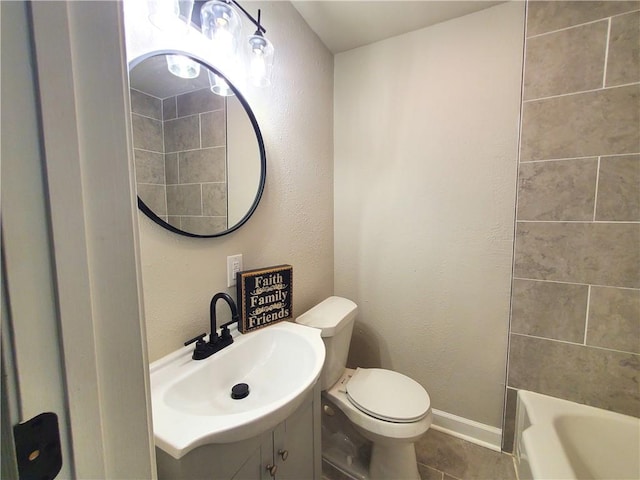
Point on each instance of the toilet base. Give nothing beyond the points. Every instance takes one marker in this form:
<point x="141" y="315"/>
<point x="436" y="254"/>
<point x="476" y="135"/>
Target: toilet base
<point x="393" y="462"/>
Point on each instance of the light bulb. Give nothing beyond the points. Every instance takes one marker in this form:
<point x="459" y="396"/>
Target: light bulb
<point x="224" y="40"/>
<point x="182" y="66"/>
<point x="258" y="68"/>
<point x="218" y="85"/>
<point x="222" y="25"/>
<point x="261" y="60"/>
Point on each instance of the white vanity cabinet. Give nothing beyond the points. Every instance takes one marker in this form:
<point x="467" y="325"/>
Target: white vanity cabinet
<point x="290" y="451"/>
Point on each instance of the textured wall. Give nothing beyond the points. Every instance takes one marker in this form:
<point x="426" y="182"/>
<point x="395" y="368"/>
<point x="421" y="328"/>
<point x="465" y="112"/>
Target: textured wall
<point x="426" y="129"/>
<point x="294" y="221"/>
<point x="575" y="321"/>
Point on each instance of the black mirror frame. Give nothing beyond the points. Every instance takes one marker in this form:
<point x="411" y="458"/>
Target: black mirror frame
<point x="263" y="157"/>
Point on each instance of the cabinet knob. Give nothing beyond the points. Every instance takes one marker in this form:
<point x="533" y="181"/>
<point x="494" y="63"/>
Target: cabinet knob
<point x="272" y="469"/>
<point x="284" y="454"/>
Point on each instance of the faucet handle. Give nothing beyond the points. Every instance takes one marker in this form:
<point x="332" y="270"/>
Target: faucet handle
<point x="198" y="339"/>
<point x="234" y="319"/>
<point x="226" y="334"/>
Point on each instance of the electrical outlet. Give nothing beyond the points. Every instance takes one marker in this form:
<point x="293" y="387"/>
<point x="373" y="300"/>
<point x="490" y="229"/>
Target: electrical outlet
<point x="234" y="265"/>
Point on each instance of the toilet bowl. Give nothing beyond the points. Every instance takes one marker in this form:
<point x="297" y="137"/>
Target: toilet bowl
<point x="391" y="425"/>
<point x="386" y="407"/>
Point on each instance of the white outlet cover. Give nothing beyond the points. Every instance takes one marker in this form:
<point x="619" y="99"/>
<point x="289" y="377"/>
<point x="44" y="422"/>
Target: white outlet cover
<point x="234" y="265"/>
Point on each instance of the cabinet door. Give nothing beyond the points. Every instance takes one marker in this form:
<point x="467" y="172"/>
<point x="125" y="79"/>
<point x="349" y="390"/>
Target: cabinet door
<point x="294" y="445"/>
<point x="255" y="468"/>
<point x="245" y="460"/>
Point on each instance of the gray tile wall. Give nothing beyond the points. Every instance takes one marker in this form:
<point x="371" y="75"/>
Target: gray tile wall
<point x="148" y="147"/>
<point x="195" y="143"/>
<point x="575" y="319"/>
<point x="180" y="154"/>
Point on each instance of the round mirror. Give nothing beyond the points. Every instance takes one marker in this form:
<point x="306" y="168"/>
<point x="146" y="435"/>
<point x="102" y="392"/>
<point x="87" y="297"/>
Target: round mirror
<point x="199" y="156"/>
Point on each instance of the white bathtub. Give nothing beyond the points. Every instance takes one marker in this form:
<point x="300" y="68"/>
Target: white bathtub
<point x="557" y="439"/>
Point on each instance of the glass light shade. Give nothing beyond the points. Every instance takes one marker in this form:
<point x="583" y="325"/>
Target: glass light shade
<point x="222" y="25"/>
<point x="219" y="86"/>
<point x="182" y="66"/>
<point x="260" y="60"/>
<point x="171" y="15"/>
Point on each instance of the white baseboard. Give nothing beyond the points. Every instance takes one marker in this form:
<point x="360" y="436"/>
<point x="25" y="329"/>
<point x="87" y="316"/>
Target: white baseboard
<point x="469" y="430"/>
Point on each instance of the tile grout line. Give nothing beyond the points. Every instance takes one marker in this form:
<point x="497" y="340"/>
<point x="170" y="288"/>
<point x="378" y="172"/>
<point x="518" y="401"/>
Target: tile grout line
<point x="187" y="183"/>
<point x="583" y="24"/>
<point x="580" y="92"/>
<point x="566" y="342"/>
<point x="145" y="150"/>
<point x="146" y="116"/>
<point x="586" y="320"/>
<point x="432" y="468"/>
<point x="164" y="162"/>
<point x="564" y="29"/>
<point x="559" y="159"/>
<point x="164" y="165"/>
<point x="574" y="283"/>
<point x="200" y="216"/>
<point x="515" y="466"/>
<point x="599" y="222"/>
<point x="175" y="104"/>
<point x="595" y="196"/>
<point x="579" y="158"/>
<point x="606" y="54"/>
<point x="177" y="162"/>
<point x="144" y="93"/>
<point x="222" y="146"/>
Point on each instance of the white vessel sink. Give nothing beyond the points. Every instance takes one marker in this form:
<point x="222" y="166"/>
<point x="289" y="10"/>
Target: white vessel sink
<point x="191" y="399"/>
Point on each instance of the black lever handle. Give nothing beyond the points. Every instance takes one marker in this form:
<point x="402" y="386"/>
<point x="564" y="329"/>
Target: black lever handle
<point x="226" y="334"/>
<point x="195" y="339"/>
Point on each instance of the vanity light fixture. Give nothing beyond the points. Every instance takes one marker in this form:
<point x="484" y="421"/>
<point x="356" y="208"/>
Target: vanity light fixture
<point x="174" y="16"/>
<point x="219" y="85"/>
<point x="165" y="15"/>
<point x="221" y="23"/>
<point x="261" y="58"/>
<point x="222" y="26"/>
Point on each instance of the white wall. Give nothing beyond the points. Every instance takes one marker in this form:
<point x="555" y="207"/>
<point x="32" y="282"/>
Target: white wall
<point x="27" y="262"/>
<point x="425" y="129"/>
<point x="86" y="147"/>
<point x="294" y="221"/>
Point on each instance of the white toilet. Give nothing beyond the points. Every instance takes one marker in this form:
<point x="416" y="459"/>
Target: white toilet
<point x="388" y="408"/>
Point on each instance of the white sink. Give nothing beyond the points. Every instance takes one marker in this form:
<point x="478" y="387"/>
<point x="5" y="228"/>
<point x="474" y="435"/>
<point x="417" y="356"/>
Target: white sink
<point x="191" y="399"/>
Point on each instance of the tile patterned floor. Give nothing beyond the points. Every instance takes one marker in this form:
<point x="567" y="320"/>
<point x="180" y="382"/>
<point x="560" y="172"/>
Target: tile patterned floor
<point x="443" y="457"/>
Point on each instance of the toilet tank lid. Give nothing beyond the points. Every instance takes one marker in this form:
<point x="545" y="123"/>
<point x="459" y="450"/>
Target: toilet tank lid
<point x="331" y="315"/>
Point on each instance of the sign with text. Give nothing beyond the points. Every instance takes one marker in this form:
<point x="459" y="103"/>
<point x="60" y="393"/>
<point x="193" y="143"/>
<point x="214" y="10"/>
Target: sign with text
<point x="264" y="296"/>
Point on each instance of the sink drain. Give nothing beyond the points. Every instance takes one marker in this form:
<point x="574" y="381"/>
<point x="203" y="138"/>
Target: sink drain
<point x="239" y="391"/>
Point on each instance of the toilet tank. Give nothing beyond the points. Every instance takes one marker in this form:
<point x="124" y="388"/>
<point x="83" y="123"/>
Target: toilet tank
<point x="335" y="317"/>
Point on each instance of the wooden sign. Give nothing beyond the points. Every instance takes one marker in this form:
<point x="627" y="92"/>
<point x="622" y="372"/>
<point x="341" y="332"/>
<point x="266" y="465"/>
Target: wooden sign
<point x="264" y="296"/>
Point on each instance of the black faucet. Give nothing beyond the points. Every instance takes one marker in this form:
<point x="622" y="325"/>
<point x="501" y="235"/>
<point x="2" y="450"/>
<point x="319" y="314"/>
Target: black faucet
<point x="212" y="311"/>
<point x="216" y="342"/>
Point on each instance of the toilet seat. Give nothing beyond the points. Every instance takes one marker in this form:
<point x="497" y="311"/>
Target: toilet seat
<point x="387" y="395"/>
